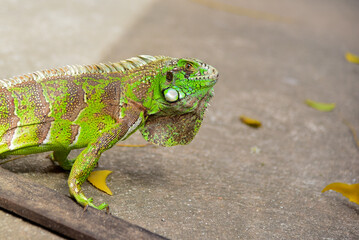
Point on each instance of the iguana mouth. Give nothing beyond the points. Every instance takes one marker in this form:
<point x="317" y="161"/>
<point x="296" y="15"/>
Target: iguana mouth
<point x="210" y="75"/>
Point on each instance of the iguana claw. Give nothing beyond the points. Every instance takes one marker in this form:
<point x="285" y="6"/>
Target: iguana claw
<point x="100" y="207"/>
<point x="86" y="202"/>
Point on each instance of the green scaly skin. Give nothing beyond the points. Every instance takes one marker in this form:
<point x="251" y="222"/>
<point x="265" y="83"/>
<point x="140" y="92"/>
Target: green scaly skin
<point x="95" y="106"/>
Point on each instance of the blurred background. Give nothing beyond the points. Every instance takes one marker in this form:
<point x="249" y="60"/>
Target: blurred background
<point x="232" y="181"/>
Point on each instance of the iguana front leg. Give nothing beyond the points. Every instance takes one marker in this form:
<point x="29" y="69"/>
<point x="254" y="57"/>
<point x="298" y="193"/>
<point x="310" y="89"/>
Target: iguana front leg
<point x="88" y="158"/>
<point x="80" y="171"/>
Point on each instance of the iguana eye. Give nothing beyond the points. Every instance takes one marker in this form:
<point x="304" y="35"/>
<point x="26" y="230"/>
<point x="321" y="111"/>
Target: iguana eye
<point x="169" y="76"/>
<point x="171" y="95"/>
<point x="188" y="67"/>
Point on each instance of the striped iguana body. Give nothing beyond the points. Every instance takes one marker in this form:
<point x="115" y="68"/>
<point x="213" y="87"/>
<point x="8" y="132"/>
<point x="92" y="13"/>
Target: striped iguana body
<point x="95" y="106"/>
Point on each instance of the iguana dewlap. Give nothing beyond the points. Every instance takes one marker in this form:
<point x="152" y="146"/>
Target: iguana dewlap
<point x="95" y="106"/>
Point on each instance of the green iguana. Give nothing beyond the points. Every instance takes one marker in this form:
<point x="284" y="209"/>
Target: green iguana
<point x="95" y="106"/>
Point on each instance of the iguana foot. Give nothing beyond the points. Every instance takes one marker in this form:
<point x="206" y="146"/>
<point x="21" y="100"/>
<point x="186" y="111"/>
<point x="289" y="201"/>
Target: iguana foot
<point x="83" y="201"/>
<point x="100" y="207"/>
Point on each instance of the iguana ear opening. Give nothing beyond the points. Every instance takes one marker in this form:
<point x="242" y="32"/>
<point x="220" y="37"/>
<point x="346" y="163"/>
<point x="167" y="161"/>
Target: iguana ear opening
<point x="172" y="130"/>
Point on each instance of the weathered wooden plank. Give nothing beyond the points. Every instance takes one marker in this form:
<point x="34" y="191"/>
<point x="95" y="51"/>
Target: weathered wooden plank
<point x="61" y="214"/>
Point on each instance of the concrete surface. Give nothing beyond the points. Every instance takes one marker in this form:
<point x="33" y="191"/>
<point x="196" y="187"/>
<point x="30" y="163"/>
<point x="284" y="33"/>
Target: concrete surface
<point x="271" y="55"/>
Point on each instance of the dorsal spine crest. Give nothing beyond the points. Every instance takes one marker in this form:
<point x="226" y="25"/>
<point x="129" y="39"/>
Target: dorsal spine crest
<point x="74" y="70"/>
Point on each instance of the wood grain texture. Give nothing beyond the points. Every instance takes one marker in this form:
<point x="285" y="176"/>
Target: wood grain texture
<point x="61" y="214"/>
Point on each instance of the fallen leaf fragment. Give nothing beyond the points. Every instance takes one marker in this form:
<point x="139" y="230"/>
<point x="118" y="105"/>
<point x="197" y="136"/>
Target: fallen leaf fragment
<point x="250" y="121"/>
<point x="352" y="58"/>
<point x="350" y="191"/>
<point x="98" y="180"/>
<point x="218" y="5"/>
<point x="352" y="130"/>
<point x="255" y="150"/>
<point x="324" y="107"/>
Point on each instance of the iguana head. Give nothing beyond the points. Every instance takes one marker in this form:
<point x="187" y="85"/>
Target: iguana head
<point x="181" y="95"/>
<point x="186" y="83"/>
